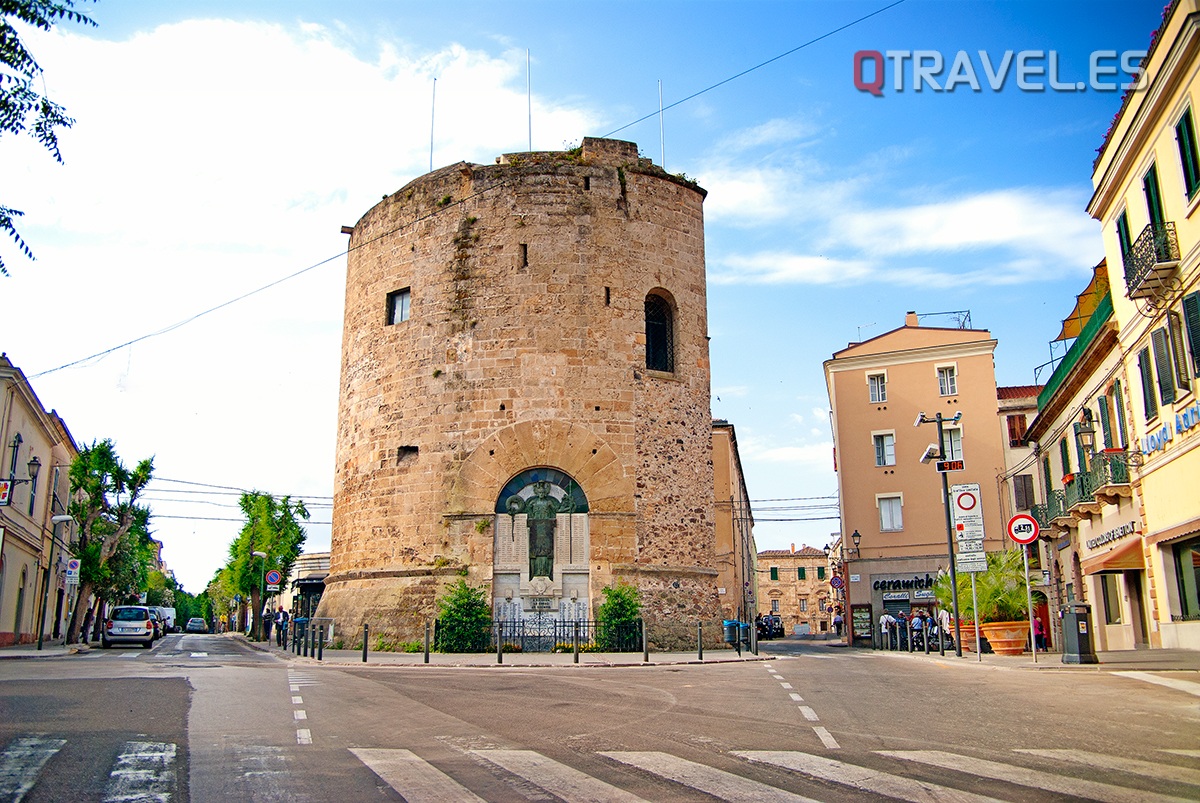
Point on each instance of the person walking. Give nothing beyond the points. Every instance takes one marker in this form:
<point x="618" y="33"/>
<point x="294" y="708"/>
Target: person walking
<point x="837" y="623"/>
<point x="268" y="619"/>
<point x="1039" y="635"/>
<point x="281" y="626"/>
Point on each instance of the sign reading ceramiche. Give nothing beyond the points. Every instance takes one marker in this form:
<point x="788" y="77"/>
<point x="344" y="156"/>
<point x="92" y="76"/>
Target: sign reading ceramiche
<point x="897" y="585"/>
<point x="1115" y="534"/>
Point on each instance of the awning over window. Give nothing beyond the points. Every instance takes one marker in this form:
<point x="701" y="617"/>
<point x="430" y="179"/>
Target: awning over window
<point x="1085" y="304"/>
<point x="1125" y="556"/>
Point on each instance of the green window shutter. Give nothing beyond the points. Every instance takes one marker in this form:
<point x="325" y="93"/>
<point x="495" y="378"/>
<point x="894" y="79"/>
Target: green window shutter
<point x="1080" y="455"/>
<point x="1191" y="323"/>
<point x="820" y="572"/>
<point x="1185" y="135"/>
<point x="1148" y="401"/>
<point x="1162" y="365"/>
<point x="1064" y="452"/>
<point x="1123" y="234"/>
<point x="774" y="572"/>
<point x="1119" y="403"/>
<point x="1153" y="197"/>
<point x="1047" y="477"/>
<point x="799" y="572"/>
<point x="1105" y="422"/>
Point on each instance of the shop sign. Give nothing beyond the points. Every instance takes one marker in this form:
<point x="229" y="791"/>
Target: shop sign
<point x="889" y="596"/>
<point x="924" y="593"/>
<point x="1185" y="421"/>
<point x="1154" y="441"/>
<point x="1115" y="534"/>
<point x="892" y="585"/>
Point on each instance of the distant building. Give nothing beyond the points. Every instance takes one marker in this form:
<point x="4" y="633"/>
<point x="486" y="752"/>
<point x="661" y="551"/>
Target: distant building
<point x="301" y="594"/>
<point x="794" y="584"/>
<point x="734" y="527"/>
<point x="877" y="389"/>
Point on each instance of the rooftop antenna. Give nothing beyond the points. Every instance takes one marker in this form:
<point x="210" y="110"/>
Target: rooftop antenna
<point x="529" y="98"/>
<point x="432" y="108"/>
<point x="662" y="141"/>
<point x="861" y="327"/>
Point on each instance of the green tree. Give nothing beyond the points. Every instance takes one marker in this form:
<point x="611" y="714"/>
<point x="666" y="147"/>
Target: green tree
<point x="618" y="619"/>
<point x="464" y="619"/>
<point x="22" y="108"/>
<point x="272" y="526"/>
<point x="112" y="525"/>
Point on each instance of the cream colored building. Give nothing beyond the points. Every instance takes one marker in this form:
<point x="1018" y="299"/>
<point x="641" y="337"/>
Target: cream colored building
<point x="734" y="524"/>
<point x="794" y="584"/>
<point x="37" y="453"/>
<point x="1147" y="191"/>
<point x="877" y="389"/>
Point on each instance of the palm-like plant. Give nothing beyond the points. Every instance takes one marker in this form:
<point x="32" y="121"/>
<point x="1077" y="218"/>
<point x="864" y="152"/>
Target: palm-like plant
<point x="1001" y="590"/>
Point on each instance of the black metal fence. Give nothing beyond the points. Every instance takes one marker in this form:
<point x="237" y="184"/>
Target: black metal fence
<point x="541" y="634"/>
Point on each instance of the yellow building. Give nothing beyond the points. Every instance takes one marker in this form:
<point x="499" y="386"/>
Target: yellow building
<point x="1147" y="191"/>
<point x="794" y="585"/>
<point x="734" y="526"/>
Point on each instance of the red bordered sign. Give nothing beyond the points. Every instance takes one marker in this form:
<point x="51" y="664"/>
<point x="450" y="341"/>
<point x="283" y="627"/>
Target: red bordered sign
<point x="1023" y="528"/>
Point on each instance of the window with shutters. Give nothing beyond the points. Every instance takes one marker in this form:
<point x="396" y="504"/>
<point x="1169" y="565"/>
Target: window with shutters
<point x="1123" y="239"/>
<point x="1023" y="491"/>
<point x="820" y="572"/>
<point x="1178" y="352"/>
<point x="1153" y="197"/>
<point x="774" y="572"/>
<point x="799" y="572"/>
<point x="1119" y="406"/>
<point x="1081" y="455"/>
<point x="885" y="449"/>
<point x="878" y="387"/>
<point x="1106" y="432"/>
<point x="891" y="517"/>
<point x="1146" y="370"/>
<point x="1160" y="342"/>
<point x="1064" y="454"/>
<point x="1191" y="324"/>
<point x="1185" y="137"/>
<point x="1016" y="429"/>
<point x="1047" y="477"/>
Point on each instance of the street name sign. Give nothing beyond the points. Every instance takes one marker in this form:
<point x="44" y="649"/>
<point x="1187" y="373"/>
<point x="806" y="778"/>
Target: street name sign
<point x="1023" y="528"/>
<point x="943" y="466"/>
<point x="273" y="587"/>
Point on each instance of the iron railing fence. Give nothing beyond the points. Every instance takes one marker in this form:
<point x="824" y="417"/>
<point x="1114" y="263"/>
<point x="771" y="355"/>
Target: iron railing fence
<point x="1156" y="245"/>
<point x="539" y="634"/>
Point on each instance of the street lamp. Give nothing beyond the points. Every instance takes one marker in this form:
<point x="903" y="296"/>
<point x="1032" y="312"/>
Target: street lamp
<point x="856" y="537"/>
<point x="941" y="445"/>
<point x="262" y="590"/>
<point x="54" y="521"/>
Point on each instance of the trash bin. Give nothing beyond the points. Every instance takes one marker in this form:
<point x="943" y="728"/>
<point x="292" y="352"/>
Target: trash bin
<point x="1077" y="634"/>
<point x="745" y="626"/>
<point x="731" y="631"/>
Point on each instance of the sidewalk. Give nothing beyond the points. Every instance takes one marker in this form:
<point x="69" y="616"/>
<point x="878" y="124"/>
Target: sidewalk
<point x="1160" y="660"/>
<point x="55" y="649"/>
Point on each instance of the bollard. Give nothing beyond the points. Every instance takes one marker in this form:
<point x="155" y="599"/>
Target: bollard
<point x="645" y="645"/>
<point x="365" y="633"/>
<point x="499" y="645"/>
<point x="304" y="641"/>
<point x="925" y="637"/>
<point x="321" y="644"/>
<point x="700" y="641"/>
<point x="576" y="642"/>
<point x="427" y="641"/>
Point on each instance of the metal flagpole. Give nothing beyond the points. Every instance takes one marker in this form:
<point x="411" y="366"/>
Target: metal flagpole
<point x="662" y="140"/>
<point x="432" y="110"/>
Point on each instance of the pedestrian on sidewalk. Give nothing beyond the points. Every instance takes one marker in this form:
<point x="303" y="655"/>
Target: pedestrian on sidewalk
<point x="281" y="626"/>
<point x="1039" y="635"/>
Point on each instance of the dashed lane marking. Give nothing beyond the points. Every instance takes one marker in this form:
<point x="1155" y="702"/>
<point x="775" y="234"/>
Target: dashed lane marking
<point x="796" y="697"/>
<point x="826" y="737"/>
<point x="808" y="713"/>
<point x="300" y="714"/>
<point x="297" y="701"/>
<point x="303" y="736"/>
<point x="718" y="783"/>
<point x="786" y="685"/>
<point x="558" y="779"/>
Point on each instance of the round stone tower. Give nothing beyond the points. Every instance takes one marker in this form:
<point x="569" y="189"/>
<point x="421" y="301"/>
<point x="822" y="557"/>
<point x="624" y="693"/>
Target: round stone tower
<point x="525" y="394"/>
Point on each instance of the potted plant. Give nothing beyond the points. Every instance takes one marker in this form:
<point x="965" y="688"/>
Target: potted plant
<point x="1002" y="597"/>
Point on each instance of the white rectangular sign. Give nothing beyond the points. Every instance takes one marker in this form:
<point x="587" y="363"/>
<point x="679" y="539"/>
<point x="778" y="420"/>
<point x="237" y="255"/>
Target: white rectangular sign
<point x="966" y="547"/>
<point x="971" y="564"/>
<point x="966" y="510"/>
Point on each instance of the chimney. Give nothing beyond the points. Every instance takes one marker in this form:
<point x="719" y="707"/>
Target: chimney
<point x="910" y="318"/>
<point x="793" y="549"/>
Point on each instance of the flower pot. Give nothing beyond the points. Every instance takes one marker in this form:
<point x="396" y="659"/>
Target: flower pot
<point x="1006" y="638"/>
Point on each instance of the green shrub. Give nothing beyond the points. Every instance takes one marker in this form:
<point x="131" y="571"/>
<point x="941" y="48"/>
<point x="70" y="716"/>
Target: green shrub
<point x="465" y="619"/>
<point x="1001" y="589"/>
<point x="412" y="646"/>
<point x="618" y="619"/>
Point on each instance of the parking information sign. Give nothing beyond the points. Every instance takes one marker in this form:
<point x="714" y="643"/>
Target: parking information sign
<point x="966" y="509"/>
<point x="73" y="570"/>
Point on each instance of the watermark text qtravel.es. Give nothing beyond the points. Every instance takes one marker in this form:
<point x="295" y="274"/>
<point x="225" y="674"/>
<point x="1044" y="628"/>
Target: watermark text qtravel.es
<point x="1030" y="71"/>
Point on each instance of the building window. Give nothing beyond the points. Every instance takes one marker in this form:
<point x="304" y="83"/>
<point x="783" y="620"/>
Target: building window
<point x="820" y="572"/>
<point x="1064" y="455"/>
<point x="1153" y="197"/>
<point x="774" y="572"/>
<point x="660" y="335"/>
<point x="1149" y="403"/>
<point x="1123" y="240"/>
<point x="1105" y="421"/>
<point x="397" y="306"/>
<point x="1191" y="322"/>
<point x="1187" y="575"/>
<point x="1160" y="342"/>
<point x="799" y="572"/>
<point x="1178" y="351"/>
<point x="890" y="517"/>
<point x="1016" y="429"/>
<point x="1119" y="406"/>
<point x="885" y="450"/>
<point x="947" y="380"/>
<point x="878" y="385"/>
<point x="803" y="606"/>
<point x="952" y="443"/>
<point x="1185" y="136"/>
<point x="1023" y="491"/>
<point x="1111" y="592"/>
<point x="774" y="606"/>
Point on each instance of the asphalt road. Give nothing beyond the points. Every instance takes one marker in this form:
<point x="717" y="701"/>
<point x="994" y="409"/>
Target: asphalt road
<point x="206" y="718"/>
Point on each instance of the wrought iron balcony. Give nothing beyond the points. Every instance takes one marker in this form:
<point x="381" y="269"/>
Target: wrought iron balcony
<point x="1109" y="468"/>
<point x="1054" y="508"/>
<point x="1080" y="490"/>
<point x="1151" y="260"/>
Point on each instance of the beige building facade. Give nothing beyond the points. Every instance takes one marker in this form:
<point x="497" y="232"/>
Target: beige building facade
<point x="877" y="390"/>
<point x="734" y="524"/>
<point x="794" y="585"/>
<point x="1147" y="191"/>
<point x="525" y="394"/>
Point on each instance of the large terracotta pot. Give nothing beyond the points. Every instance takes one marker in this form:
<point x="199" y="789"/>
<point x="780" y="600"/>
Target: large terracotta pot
<point x="1006" y="638"/>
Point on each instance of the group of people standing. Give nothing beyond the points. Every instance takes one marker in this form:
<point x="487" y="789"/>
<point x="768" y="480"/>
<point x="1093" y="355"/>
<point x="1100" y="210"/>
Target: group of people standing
<point x="895" y="631"/>
<point x="279" y="619"/>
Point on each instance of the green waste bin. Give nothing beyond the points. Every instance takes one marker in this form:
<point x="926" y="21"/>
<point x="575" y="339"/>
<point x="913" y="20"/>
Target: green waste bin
<point x="1077" y="634"/>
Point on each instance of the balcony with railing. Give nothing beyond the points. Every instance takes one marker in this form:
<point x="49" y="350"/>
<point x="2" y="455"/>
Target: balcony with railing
<point x="1054" y="508"/>
<point x="1080" y="495"/>
<point x="1151" y="260"/>
<point x="1110" y="475"/>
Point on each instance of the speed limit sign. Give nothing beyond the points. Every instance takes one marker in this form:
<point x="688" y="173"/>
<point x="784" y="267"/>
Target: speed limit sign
<point x="1023" y="528"/>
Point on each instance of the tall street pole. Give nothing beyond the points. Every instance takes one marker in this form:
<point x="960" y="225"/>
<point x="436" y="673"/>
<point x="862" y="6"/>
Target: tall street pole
<point x="949" y="531"/>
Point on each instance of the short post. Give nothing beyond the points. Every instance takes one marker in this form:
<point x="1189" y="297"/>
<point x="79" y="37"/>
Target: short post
<point x="941" y="639"/>
<point x="426" y="641"/>
<point x="366" y="632"/>
<point x="909" y="635"/>
<point x="312" y="639"/>
<point x="304" y="640"/>
<point x="321" y="645"/>
<point x="645" y="645"/>
<point x="576" y="642"/>
<point x="499" y="645"/>
<point x="925" y="635"/>
<point x="700" y="640"/>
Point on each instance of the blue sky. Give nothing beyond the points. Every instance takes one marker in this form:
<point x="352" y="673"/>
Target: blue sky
<point x="220" y="146"/>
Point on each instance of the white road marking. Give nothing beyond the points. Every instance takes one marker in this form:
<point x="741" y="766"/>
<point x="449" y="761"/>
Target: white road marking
<point x="199" y="655"/>
<point x="863" y="778"/>
<point x="130" y="654"/>
<point x="300" y="714"/>
<point x="1188" y="753"/>
<point x="1151" y="769"/>
<point x="796" y="697"/>
<point x="809" y="714"/>
<point x="767" y="666"/>
<point x="297" y="701"/>
<point x="826" y="737"/>
<point x="718" y="783"/>
<point x="144" y="773"/>
<point x="1188" y="686"/>
<point x="21" y="762"/>
<point x="558" y="779"/>
<point x="1021" y="776"/>
<point x="416" y="780"/>
<point x="786" y="685"/>
<point x="303" y="736"/>
<point x="293" y="688"/>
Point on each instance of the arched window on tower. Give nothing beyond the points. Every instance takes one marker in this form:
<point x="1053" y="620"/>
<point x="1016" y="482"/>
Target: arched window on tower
<point x="660" y="334"/>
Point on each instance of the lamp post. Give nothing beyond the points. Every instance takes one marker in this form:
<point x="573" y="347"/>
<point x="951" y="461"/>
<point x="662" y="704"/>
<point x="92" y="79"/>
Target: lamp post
<point x="54" y="522"/>
<point x="262" y="589"/>
<point x="922" y="419"/>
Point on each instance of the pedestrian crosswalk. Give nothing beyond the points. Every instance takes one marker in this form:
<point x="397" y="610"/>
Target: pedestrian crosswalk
<point x="142" y="772"/>
<point x="919" y="776"/>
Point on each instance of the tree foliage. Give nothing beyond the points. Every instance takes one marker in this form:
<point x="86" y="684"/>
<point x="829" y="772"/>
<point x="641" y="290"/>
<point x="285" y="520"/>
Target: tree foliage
<point x="113" y="546"/>
<point x="23" y="109"/>
<point x="272" y="526"/>
<point x="1001" y="590"/>
<point x="464" y="619"/>
<point x="618" y="619"/>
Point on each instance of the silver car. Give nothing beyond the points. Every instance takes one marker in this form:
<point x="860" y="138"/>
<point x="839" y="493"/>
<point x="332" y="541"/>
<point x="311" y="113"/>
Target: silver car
<point x="128" y="624"/>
